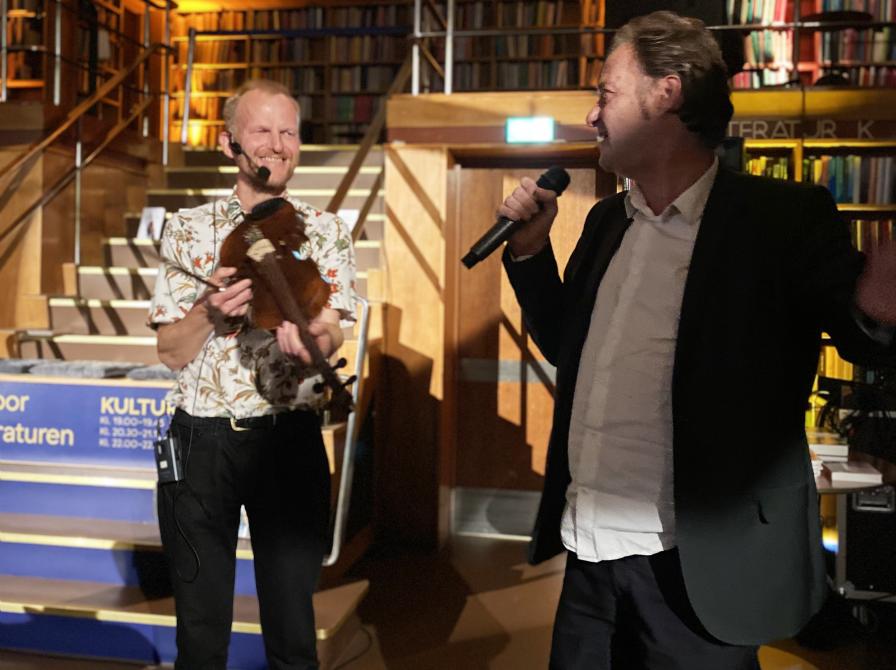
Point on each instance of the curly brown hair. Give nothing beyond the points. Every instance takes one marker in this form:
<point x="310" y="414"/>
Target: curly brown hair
<point x="668" y="44"/>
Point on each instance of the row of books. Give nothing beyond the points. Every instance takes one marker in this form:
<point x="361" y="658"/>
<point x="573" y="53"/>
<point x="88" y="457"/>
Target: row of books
<point x="288" y="19"/>
<point x="354" y="108"/>
<point x="767" y="12"/>
<point x="376" y="78"/>
<point x="867" y="75"/>
<point x="759" y="78"/>
<point x="399" y="14"/>
<point x="880" y="10"/>
<point x="777" y="167"/>
<point x="769" y="47"/>
<point x="516" y="75"/>
<point x="479" y="14"/>
<point x="857" y="46"/>
<point x="370" y="48"/>
<point x="854" y="179"/>
<point x="521" y="46"/>
<point x="868" y="233"/>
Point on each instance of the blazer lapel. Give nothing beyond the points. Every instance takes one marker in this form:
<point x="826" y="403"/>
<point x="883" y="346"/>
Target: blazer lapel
<point x="717" y="215"/>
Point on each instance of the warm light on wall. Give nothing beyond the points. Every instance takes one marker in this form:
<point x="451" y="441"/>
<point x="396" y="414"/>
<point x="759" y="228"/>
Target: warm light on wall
<point x="195" y="134"/>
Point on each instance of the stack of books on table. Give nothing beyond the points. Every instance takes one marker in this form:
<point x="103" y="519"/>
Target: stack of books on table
<point x="825" y="447"/>
<point x="853" y="472"/>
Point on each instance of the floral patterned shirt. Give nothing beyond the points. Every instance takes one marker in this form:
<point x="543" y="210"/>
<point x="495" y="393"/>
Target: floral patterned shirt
<point x="243" y="374"/>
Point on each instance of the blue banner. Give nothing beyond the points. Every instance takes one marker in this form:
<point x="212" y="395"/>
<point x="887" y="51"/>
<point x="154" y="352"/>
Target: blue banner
<point x="104" y="422"/>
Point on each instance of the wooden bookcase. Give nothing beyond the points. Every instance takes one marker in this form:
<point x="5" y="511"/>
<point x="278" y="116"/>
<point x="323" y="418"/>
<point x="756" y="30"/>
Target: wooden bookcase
<point x="863" y="52"/>
<point x="513" y="61"/>
<point x="337" y="75"/>
<point x="861" y="175"/>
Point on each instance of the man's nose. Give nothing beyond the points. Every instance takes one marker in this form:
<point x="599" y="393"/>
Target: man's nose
<point x="593" y="115"/>
<point x="276" y="142"/>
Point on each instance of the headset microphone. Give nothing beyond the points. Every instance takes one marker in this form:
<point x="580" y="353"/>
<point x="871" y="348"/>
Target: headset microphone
<point x="262" y="172"/>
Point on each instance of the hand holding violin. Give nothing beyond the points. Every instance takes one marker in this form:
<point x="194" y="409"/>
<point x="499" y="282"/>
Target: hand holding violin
<point x="230" y="300"/>
<point x="324" y="329"/>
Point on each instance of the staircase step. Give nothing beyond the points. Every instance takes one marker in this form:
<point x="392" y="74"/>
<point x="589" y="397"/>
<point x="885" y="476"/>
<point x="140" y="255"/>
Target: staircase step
<point x="118" y="283"/>
<point x="126" y="553"/>
<point x="103" y="492"/>
<point x="17" y="660"/>
<point x="176" y="198"/>
<point x="84" y="316"/>
<point x="120" y="348"/>
<point x="131" y="252"/>
<point x="96" y="619"/>
<point x="314" y="177"/>
<point x="78" y="490"/>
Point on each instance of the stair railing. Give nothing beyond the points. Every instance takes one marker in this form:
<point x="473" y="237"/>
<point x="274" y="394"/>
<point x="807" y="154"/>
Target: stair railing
<point x="74" y="118"/>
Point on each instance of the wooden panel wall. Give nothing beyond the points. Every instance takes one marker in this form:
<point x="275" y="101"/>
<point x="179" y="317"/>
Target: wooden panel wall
<point x="504" y="407"/>
<point x="413" y="249"/>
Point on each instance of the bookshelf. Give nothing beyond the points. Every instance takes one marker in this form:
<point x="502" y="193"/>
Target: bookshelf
<point x="336" y="59"/>
<point x="840" y="42"/>
<point x="861" y="177"/>
<point x="506" y="59"/>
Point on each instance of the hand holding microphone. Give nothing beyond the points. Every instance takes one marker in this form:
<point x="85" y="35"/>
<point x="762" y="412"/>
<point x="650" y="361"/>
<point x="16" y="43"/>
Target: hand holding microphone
<point x="525" y="217"/>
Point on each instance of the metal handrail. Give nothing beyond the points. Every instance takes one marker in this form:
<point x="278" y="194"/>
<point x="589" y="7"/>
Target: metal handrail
<point x="80" y="110"/>
<point x="72" y="174"/>
<point x="352" y="427"/>
<point x="370" y="137"/>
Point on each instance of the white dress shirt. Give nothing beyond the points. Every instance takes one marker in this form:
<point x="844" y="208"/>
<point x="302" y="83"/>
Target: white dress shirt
<point x="620" y="500"/>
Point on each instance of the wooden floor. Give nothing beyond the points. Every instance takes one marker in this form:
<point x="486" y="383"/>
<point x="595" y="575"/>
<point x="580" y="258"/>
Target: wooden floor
<point x="477" y="605"/>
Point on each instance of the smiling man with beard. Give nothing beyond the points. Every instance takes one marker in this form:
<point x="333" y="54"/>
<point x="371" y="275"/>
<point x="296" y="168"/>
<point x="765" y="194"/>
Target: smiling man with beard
<point x="246" y="419"/>
<point x="691" y="540"/>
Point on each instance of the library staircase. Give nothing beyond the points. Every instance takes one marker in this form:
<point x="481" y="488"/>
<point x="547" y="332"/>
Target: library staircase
<point x="82" y="573"/>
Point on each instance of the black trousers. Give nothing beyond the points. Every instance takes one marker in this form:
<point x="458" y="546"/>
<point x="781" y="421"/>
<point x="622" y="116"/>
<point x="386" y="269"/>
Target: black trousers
<point x="281" y="474"/>
<point x="633" y="614"/>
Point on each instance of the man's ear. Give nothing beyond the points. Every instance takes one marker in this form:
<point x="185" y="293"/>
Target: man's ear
<point x="668" y="93"/>
<point x="224" y="144"/>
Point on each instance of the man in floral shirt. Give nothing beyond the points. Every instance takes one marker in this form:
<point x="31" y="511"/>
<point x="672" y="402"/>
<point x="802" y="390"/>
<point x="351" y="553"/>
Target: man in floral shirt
<point x="245" y="417"/>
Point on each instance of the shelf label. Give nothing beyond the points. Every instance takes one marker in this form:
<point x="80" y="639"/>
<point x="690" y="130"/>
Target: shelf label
<point x="813" y="129"/>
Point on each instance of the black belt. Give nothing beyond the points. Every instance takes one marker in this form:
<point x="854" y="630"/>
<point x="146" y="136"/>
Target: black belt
<point x="265" y="421"/>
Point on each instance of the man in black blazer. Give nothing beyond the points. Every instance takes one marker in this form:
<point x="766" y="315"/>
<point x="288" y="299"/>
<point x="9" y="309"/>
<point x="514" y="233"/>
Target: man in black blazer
<point x="686" y="332"/>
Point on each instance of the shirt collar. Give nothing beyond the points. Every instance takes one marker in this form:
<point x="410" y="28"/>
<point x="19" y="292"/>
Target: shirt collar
<point x="233" y="208"/>
<point x="689" y="204"/>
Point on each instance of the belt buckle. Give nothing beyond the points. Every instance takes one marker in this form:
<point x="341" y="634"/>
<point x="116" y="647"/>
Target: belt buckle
<point x="235" y="427"/>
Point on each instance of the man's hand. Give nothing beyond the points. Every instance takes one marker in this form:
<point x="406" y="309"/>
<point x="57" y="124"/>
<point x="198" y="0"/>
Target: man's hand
<point x="534" y="207"/>
<point x="876" y="289"/>
<point x="231" y="300"/>
<point x="325" y="330"/>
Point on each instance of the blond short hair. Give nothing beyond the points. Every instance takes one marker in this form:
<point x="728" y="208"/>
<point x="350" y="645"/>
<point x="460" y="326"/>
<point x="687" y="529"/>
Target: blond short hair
<point x="264" y="85"/>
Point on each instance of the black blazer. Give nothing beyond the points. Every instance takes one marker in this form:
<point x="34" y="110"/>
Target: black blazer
<point x="772" y="268"/>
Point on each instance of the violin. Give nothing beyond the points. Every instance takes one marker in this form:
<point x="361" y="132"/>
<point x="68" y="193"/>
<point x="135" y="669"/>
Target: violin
<point x="265" y="248"/>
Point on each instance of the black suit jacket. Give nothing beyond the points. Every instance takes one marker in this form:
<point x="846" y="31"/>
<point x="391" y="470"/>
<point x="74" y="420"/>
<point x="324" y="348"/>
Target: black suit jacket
<point x="772" y="268"/>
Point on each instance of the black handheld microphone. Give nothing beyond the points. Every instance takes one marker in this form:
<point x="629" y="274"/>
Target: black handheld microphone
<point x="554" y="179"/>
<point x="262" y="172"/>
